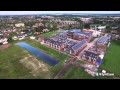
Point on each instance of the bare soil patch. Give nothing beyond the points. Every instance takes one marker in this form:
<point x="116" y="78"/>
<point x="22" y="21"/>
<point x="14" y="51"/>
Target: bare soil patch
<point x="2" y="47"/>
<point x="37" y="67"/>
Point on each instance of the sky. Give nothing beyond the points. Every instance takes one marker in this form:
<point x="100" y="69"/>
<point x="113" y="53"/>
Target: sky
<point x="56" y="12"/>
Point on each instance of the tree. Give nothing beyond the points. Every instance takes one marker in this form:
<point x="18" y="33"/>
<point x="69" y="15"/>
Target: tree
<point x="108" y="29"/>
<point x="12" y="34"/>
<point x="54" y="27"/>
<point x="87" y="25"/>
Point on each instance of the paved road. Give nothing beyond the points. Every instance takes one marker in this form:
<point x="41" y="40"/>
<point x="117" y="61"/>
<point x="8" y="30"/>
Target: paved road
<point x="87" y="47"/>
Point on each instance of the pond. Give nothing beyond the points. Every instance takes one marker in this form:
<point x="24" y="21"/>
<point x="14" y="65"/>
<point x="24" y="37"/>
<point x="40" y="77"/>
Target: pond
<point x="42" y="56"/>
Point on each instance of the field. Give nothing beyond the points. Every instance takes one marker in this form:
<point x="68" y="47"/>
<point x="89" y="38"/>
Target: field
<point x="10" y="66"/>
<point x="53" y="53"/>
<point x="47" y="34"/>
<point x="79" y="73"/>
<point x="111" y="62"/>
<point x="15" y="62"/>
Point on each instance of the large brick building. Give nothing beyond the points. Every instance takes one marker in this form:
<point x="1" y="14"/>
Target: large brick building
<point x="78" y="35"/>
<point x="75" y="49"/>
<point x="82" y="35"/>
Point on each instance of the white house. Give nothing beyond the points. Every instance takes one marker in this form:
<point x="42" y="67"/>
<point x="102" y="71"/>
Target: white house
<point x="97" y="27"/>
<point x="4" y="41"/>
<point x="14" y="37"/>
<point x="32" y="37"/>
<point x="21" y="37"/>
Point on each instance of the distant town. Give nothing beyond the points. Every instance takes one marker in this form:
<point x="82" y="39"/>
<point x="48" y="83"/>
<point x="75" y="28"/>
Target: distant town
<point x="60" y="46"/>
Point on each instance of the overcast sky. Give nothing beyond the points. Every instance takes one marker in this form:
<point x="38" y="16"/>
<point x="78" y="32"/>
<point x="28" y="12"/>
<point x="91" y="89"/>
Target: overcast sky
<point x="56" y="12"/>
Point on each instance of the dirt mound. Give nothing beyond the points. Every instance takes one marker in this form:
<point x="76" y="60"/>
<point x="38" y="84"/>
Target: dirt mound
<point x="37" y="67"/>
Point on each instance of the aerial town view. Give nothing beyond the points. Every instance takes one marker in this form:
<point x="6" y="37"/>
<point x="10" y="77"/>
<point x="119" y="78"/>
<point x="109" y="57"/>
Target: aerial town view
<point x="59" y="44"/>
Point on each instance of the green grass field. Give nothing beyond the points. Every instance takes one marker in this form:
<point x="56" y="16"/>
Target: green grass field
<point x="79" y="73"/>
<point x="47" y="34"/>
<point x="111" y="61"/>
<point x="10" y="67"/>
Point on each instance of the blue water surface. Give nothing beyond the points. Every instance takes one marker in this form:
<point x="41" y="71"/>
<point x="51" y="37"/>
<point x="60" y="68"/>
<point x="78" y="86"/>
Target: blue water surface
<point x="46" y="58"/>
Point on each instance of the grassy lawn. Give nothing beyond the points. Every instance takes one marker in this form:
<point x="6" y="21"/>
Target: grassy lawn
<point x="81" y="61"/>
<point x="79" y="73"/>
<point x="10" y="67"/>
<point x="111" y="62"/>
<point x="47" y="34"/>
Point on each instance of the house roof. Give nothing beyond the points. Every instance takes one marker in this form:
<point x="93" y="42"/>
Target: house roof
<point x="90" y="54"/>
<point x="102" y="39"/>
<point x="78" y="45"/>
<point x="75" y="30"/>
<point x="83" y="33"/>
<point x="53" y="41"/>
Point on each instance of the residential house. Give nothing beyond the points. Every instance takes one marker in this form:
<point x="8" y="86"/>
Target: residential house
<point x="3" y="41"/>
<point x="36" y="33"/>
<point x="39" y="39"/>
<point x="15" y="38"/>
<point x="45" y="30"/>
<point x="91" y="57"/>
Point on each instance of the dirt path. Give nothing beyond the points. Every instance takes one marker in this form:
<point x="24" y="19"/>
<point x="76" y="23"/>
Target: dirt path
<point x="2" y="47"/>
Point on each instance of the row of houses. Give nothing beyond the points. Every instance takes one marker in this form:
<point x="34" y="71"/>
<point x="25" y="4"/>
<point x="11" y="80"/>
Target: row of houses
<point x="18" y="37"/>
<point x="61" y="42"/>
<point x="91" y="57"/>
<point x="68" y="22"/>
<point x="54" y="44"/>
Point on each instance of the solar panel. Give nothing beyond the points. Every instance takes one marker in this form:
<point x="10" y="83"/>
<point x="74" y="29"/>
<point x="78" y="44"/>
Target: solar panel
<point x="77" y="46"/>
<point x="82" y="33"/>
